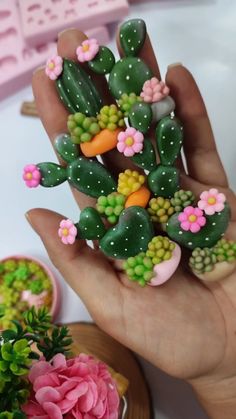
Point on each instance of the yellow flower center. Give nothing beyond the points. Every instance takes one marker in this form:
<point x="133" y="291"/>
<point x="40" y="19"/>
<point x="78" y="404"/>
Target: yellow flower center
<point x="29" y="176"/>
<point x="65" y="232"/>
<point x="192" y="218"/>
<point x="85" y="47"/>
<point x="211" y="200"/>
<point x="51" y="65"/>
<point x="129" y="141"/>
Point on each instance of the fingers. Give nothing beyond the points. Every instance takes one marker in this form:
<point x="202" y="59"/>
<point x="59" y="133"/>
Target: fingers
<point x="86" y="271"/>
<point x="203" y="162"/>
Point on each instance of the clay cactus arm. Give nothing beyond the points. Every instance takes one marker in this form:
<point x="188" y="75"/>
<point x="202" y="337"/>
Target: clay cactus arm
<point x="65" y="148"/>
<point x="169" y="138"/>
<point x="51" y="174"/>
<point x="77" y="91"/>
<point x="132" y="36"/>
<point x="146" y="159"/>
<point x="164" y="181"/>
<point x="103" y="62"/>
<point x="90" y="177"/>
<point x="140" y="116"/>
<point x="90" y="225"/>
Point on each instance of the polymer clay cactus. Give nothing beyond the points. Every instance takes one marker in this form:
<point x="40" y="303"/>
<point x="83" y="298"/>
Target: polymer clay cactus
<point x="142" y="200"/>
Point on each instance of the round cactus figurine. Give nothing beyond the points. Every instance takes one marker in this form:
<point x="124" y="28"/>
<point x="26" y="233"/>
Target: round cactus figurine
<point x="160" y="249"/>
<point x="82" y="128"/>
<point x="129" y="182"/>
<point x="111" y="117"/>
<point x="202" y="260"/>
<point x="182" y="199"/>
<point x="139" y="268"/>
<point x="127" y="101"/>
<point x="225" y="250"/>
<point x="111" y="206"/>
<point x="160" y="209"/>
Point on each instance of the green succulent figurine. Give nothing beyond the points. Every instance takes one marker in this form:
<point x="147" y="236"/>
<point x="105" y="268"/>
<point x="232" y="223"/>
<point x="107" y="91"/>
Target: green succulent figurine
<point x="111" y="117"/>
<point x="202" y="260"/>
<point x="82" y="128"/>
<point x="139" y="268"/>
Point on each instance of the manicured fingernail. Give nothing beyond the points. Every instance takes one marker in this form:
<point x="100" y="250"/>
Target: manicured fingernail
<point x="65" y="30"/>
<point x="42" y="67"/>
<point x="28" y="218"/>
<point x="175" y="65"/>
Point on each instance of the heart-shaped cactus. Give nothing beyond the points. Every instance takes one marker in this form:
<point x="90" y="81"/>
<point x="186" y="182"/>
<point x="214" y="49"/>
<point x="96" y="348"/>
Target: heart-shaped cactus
<point x="130" y="236"/>
<point x="208" y="236"/>
<point x="132" y="36"/>
<point x="90" y="177"/>
<point x="103" y="62"/>
<point x="77" y="91"/>
<point x="90" y="225"/>
<point x="169" y="137"/>
<point x="128" y="76"/>
<point x="65" y="148"/>
<point x="164" y="181"/>
<point x="140" y="116"/>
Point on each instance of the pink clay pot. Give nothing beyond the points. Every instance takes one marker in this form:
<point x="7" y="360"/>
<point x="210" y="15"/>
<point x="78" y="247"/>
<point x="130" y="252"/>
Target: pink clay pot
<point x="55" y="283"/>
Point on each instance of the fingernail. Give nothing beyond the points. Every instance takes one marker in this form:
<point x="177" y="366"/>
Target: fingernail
<point x="175" y="65"/>
<point x="65" y="30"/>
<point x="28" y="218"/>
<point x="42" y="67"/>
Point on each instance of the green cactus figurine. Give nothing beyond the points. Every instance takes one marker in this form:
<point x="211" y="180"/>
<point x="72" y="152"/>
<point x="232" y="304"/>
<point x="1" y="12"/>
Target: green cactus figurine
<point x="127" y="101"/>
<point x="82" y="128"/>
<point x="139" y="268"/>
<point x="111" y="117"/>
<point x="182" y="199"/>
<point x="111" y="206"/>
<point x="202" y="260"/>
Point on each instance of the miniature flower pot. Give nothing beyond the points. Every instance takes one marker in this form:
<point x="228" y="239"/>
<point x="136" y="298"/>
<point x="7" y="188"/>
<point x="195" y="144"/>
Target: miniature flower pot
<point x="220" y="271"/>
<point x="162" y="108"/>
<point x="41" y="286"/>
<point x="165" y="270"/>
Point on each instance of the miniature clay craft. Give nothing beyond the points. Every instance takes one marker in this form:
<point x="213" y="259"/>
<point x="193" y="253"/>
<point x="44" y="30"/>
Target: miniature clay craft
<point x="141" y="202"/>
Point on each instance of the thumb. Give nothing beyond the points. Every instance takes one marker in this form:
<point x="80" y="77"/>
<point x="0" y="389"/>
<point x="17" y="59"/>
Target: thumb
<point x="86" y="270"/>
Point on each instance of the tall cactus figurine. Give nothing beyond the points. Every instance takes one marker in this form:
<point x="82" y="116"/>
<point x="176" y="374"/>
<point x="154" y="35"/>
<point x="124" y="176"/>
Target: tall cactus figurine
<point x="129" y="212"/>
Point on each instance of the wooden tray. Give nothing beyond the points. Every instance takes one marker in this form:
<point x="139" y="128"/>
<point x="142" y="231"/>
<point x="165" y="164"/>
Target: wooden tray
<point x="98" y="343"/>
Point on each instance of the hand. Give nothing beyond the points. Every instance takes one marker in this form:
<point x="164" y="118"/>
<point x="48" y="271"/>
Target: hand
<point x="184" y="327"/>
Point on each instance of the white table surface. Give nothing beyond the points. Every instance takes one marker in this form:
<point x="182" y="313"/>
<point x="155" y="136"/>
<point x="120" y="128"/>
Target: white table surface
<point x="201" y="35"/>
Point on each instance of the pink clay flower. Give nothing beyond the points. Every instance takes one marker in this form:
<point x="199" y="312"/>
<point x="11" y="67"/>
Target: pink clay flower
<point x="37" y="300"/>
<point x="154" y="90"/>
<point x="192" y="219"/>
<point x="80" y="388"/>
<point x="67" y="232"/>
<point x="54" y="67"/>
<point x="31" y="175"/>
<point x="87" y="50"/>
<point x="211" y="201"/>
<point x="130" y="142"/>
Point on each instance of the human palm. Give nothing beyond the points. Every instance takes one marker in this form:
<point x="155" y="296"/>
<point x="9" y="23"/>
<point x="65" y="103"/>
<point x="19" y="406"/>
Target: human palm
<point x="185" y="327"/>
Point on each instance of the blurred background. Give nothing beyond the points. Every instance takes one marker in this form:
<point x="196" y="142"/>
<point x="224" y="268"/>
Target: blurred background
<point x="200" y="34"/>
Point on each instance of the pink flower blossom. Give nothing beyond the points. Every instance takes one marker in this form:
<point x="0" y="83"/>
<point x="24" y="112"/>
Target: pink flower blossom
<point x="130" y="142"/>
<point x="37" y="300"/>
<point x="154" y="90"/>
<point x="78" y="388"/>
<point x="211" y="201"/>
<point x="31" y="175"/>
<point x="67" y="232"/>
<point x="87" y="50"/>
<point x="192" y="219"/>
<point x="54" y="67"/>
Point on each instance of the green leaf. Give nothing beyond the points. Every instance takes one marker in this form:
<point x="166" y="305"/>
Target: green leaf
<point x="7" y="351"/>
<point x="9" y="335"/>
<point x="20" y="345"/>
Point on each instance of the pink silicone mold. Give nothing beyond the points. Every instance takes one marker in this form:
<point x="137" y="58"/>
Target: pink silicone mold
<point x="17" y="60"/>
<point x="42" y="20"/>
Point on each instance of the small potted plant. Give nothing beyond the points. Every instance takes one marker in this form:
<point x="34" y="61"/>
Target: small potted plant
<point x="40" y="378"/>
<point x="25" y="282"/>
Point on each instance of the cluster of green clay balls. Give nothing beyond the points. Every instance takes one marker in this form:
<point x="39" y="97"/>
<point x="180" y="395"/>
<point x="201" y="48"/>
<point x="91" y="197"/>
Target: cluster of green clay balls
<point x="111" y="118"/>
<point x="82" y="128"/>
<point x="15" y="277"/>
<point x="204" y="260"/>
<point x="111" y="206"/>
<point x="139" y="268"/>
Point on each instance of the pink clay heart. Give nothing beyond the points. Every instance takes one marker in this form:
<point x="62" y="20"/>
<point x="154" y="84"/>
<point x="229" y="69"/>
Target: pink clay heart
<point x="164" y="270"/>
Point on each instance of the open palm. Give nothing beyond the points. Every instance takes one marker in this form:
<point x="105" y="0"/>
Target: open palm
<point x="184" y="326"/>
